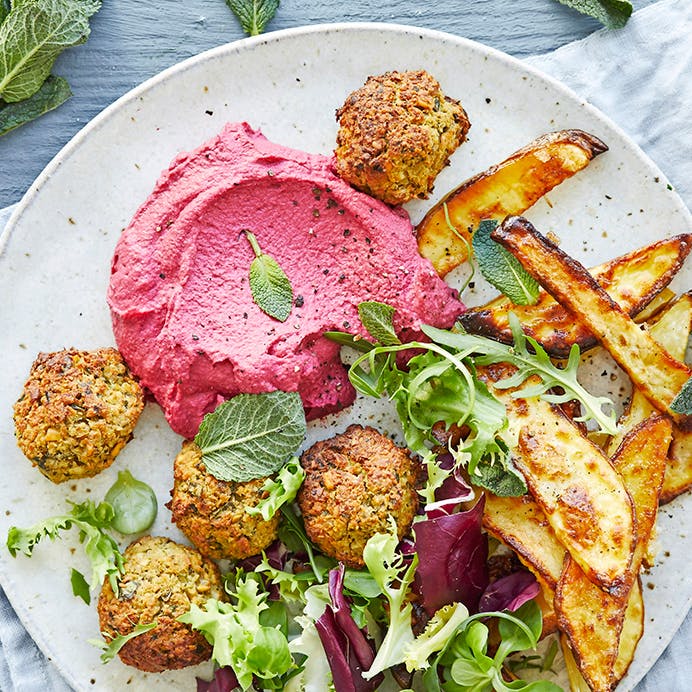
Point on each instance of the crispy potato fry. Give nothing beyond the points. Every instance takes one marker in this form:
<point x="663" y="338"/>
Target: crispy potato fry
<point x="632" y="281"/>
<point x="510" y="187"/>
<point x="671" y="331"/>
<point x="591" y="618"/>
<point x="520" y="524"/>
<point x="579" y="491"/>
<point x="658" y="375"/>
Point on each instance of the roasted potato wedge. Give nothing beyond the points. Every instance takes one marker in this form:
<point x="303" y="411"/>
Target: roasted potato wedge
<point x="576" y="680"/>
<point x="520" y="524"/>
<point x="510" y="187"/>
<point x="632" y="630"/>
<point x="671" y="331"/>
<point x="632" y="281"/>
<point x="579" y="491"/>
<point x="591" y="618"/>
<point x="658" y="375"/>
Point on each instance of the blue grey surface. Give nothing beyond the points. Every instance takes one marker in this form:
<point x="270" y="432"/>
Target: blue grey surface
<point x="132" y="40"/>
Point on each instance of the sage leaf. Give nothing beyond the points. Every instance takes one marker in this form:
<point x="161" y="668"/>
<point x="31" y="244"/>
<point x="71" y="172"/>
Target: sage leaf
<point x="31" y="38"/>
<point x="4" y="9"/>
<point x="683" y="401"/>
<point x="254" y="15"/>
<point x="377" y="318"/>
<point x="52" y="93"/>
<point x="501" y="268"/>
<point x="613" y="14"/>
<point x="251" y="435"/>
<point x="271" y="290"/>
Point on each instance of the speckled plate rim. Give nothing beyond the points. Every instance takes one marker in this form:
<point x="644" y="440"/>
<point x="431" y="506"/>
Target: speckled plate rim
<point x="313" y="33"/>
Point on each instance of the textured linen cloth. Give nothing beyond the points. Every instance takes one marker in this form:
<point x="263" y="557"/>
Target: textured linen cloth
<point x="641" y="77"/>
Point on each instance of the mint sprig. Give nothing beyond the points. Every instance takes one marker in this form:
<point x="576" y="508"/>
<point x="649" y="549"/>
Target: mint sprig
<point x="501" y="268"/>
<point x="32" y="35"/>
<point x="251" y="435"/>
<point x="613" y="14"/>
<point x="270" y="287"/>
<point x="254" y="15"/>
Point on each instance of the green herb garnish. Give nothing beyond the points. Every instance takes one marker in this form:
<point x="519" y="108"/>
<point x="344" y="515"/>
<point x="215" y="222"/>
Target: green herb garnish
<point x="100" y="547"/>
<point x="270" y="287"/>
<point x="683" y="401"/>
<point x="32" y="35"/>
<point x="238" y="635"/>
<point x="134" y="504"/>
<point x="501" y="268"/>
<point x="465" y="663"/>
<point x="378" y="318"/>
<point x="281" y="490"/>
<point x="613" y="14"/>
<point x="113" y="646"/>
<point x="251" y="435"/>
<point x="254" y="15"/>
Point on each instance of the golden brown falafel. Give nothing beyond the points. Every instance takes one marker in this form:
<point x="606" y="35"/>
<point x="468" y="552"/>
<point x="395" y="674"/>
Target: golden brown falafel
<point x="162" y="578"/>
<point x="212" y="513"/>
<point x="353" y="483"/>
<point x="77" y="411"/>
<point x="396" y="133"/>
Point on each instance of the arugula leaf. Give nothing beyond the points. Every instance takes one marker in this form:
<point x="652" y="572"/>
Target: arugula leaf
<point x="113" y="646"/>
<point x="293" y="528"/>
<point x="52" y="93"/>
<point x="237" y="635"/>
<point x="611" y="13"/>
<point x="254" y="15"/>
<point x="251" y="435"/>
<point x="683" y="401"/>
<point x="270" y="287"/>
<point x="100" y="547"/>
<point x="31" y="38"/>
<point x="501" y="268"/>
<point x="281" y="490"/>
<point x="377" y="318"/>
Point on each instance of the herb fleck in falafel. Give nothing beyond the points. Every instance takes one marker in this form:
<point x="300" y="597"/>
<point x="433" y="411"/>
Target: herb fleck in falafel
<point x="77" y="411"/>
<point x="353" y="483"/>
<point x="162" y="578"/>
<point x="213" y="513"/>
<point x="396" y="133"/>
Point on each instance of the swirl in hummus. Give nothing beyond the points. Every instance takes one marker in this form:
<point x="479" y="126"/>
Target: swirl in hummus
<point x="183" y="315"/>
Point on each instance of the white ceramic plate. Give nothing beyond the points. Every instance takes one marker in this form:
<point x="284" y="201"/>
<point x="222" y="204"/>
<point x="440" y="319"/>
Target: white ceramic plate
<point x="55" y="255"/>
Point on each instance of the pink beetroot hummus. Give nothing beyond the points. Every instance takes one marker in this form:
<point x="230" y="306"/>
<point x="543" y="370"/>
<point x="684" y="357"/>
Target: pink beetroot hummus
<point x="183" y="314"/>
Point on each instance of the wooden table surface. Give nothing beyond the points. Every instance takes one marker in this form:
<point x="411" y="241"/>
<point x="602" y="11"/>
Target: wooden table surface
<point x="132" y="40"/>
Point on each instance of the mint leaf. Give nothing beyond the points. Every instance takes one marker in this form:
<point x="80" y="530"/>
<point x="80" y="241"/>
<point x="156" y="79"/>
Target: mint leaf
<point x="613" y="14"/>
<point x="31" y="38"/>
<point x="254" y="15"/>
<point x="501" y="268"/>
<point x="52" y="93"/>
<point x="270" y="287"/>
<point x="251" y="435"/>
<point x="4" y="9"/>
<point x="377" y="318"/>
<point x="683" y="401"/>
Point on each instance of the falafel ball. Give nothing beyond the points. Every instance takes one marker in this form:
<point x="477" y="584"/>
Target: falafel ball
<point x="213" y="513"/>
<point x="77" y="411"/>
<point x="162" y="578"/>
<point x="396" y="133"/>
<point x="353" y="483"/>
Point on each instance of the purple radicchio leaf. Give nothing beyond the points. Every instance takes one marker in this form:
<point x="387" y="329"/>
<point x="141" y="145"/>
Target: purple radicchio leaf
<point x="509" y="592"/>
<point x="224" y="681"/>
<point x="348" y="651"/>
<point x="452" y="559"/>
<point x="452" y="492"/>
